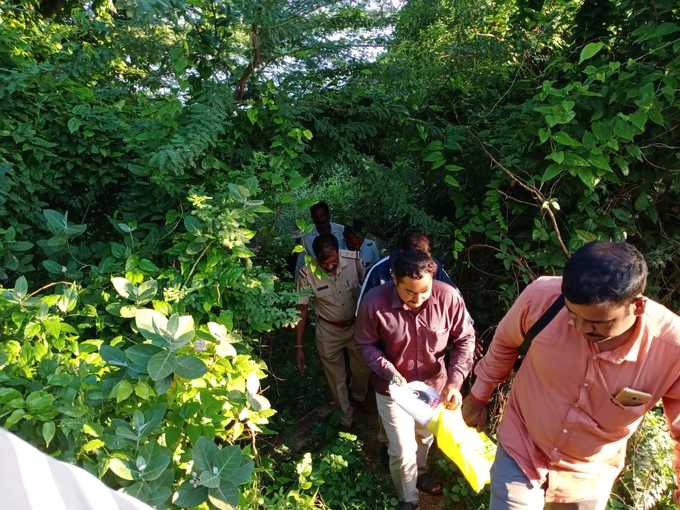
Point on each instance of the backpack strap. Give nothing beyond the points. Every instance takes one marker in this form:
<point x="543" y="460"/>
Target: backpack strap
<point x="540" y="325"/>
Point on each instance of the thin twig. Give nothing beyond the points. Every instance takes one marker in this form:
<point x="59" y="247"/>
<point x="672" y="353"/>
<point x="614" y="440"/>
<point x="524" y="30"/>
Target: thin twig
<point x="45" y="287"/>
<point x="193" y="268"/>
<point x="531" y="189"/>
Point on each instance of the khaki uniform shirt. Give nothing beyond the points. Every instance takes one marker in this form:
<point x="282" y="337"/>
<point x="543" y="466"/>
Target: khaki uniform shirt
<point x="335" y="295"/>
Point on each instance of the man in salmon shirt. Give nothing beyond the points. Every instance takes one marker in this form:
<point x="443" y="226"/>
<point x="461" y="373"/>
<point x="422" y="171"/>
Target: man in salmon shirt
<point x="604" y="360"/>
<point x="404" y="330"/>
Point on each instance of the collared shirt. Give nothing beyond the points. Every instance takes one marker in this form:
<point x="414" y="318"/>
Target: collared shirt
<point x="31" y="480"/>
<point x="561" y="422"/>
<point x="381" y="273"/>
<point x="334" y="295"/>
<point x="369" y="253"/>
<point x="392" y="338"/>
<point x="336" y="230"/>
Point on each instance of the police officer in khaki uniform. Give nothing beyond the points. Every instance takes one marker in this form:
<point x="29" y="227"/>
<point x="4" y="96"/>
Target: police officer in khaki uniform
<point x="335" y="295"/>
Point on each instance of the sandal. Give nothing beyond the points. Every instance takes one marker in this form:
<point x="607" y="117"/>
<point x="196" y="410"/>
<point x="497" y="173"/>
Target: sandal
<point x="429" y="484"/>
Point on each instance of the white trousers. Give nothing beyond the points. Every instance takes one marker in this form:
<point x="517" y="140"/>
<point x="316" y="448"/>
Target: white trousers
<point x="408" y="446"/>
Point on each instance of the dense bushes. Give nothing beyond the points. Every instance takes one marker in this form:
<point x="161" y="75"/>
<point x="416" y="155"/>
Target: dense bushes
<point x="155" y="157"/>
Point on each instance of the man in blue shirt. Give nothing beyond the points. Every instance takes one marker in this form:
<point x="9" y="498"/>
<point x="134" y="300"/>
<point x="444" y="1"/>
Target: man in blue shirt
<point x="355" y="237"/>
<point x="381" y="271"/>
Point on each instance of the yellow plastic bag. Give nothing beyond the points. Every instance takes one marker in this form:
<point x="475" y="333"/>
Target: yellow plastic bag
<point x="473" y="452"/>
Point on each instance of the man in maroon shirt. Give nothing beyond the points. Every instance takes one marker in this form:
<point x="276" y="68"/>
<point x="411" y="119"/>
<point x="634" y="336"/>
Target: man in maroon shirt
<point x="404" y="329"/>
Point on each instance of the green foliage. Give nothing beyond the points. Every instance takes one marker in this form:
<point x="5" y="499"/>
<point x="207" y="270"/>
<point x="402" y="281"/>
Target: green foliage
<point x="647" y="479"/>
<point x="155" y="157"/>
<point x="335" y="478"/>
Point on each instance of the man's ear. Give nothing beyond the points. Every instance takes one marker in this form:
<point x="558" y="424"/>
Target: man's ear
<point x="639" y="303"/>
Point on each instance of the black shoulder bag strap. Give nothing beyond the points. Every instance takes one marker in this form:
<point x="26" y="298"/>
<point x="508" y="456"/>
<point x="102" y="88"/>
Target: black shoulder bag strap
<point x="540" y="325"/>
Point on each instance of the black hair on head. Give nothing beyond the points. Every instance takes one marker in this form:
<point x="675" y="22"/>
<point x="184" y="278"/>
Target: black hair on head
<point x="356" y="228"/>
<point x="319" y="205"/>
<point x="602" y="271"/>
<point x="412" y="239"/>
<point x="413" y="264"/>
<point x="323" y="245"/>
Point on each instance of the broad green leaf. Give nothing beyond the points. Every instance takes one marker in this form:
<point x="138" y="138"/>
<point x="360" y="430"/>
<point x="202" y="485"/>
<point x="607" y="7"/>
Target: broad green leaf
<point x="252" y="383"/>
<point x="182" y="331"/>
<point x="123" y="390"/>
<point x="146" y="291"/>
<point x="139" y="355"/>
<point x="163" y="385"/>
<point x="225" y="350"/>
<point x="49" y="429"/>
<point x="93" y="445"/>
<point x="210" y="479"/>
<point x="143" y="390"/>
<point x="53" y="326"/>
<point x="148" y="266"/>
<point x="155" y="460"/>
<point x="189" y="496"/>
<point x="54" y="267"/>
<point x="258" y="402"/>
<point x="121" y="469"/>
<point x="68" y="300"/>
<point x="218" y="331"/>
<point x="39" y="402"/>
<point x="556" y="156"/>
<point x="543" y="135"/>
<point x="589" y="51"/>
<point x="192" y="224"/>
<point x="32" y="329"/>
<point x="21" y="287"/>
<point x="564" y="138"/>
<point x="190" y="367"/>
<point x="205" y="454"/>
<point x="56" y="222"/>
<point x="113" y="356"/>
<point x="161" y="365"/>
<point x="585" y="235"/>
<point x="128" y="311"/>
<point x="224" y="497"/>
<point x="153" y="326"/>
<point x="124" y="287"/>
<point x="252" y="113"/>
<point x="73" y="124"/>
<point x="14" y="418"/>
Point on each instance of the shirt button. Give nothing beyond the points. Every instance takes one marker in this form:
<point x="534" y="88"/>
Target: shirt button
<point x="564" y="431"/>
<point x="585" y="384"/>
<point x="555" y="450"/>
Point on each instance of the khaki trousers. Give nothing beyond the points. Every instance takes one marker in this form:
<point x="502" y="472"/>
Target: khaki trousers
<point x="332" y="342"/>
<point x="408" y="446"/>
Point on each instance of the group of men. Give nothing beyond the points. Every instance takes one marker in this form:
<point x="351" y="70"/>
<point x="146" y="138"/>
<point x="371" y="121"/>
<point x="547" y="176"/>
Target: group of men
<point x="602" y="355"/>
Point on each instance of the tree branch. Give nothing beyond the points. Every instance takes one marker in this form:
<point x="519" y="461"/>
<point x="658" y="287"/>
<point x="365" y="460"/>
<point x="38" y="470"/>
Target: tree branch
<point x="540" y="198"/>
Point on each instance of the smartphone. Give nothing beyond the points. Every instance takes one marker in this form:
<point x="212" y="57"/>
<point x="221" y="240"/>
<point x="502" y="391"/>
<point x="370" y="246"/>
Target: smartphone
<point x="631" y="397"/>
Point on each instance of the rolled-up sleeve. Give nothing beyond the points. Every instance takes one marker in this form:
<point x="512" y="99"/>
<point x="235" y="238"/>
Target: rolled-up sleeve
<point x="367" y="338"/>
<point x="497" y="363"/>
<point x="462" y="338"/>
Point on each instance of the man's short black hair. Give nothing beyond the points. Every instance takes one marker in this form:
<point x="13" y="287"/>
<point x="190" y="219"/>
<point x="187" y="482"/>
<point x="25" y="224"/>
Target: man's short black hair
<point x="604" y="271"/>
<point x="319" y="205"/>
<point x="411" y="239"/>
<point x="413" y="264"/>
<point x="323" y="245"/>
<point x="356" y="228"/>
